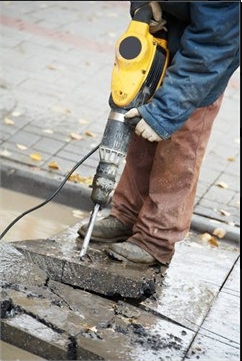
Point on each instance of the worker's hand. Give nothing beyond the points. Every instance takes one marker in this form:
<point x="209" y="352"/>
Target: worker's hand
<point x="157" y="23"/>
<point x="142" y="128"/>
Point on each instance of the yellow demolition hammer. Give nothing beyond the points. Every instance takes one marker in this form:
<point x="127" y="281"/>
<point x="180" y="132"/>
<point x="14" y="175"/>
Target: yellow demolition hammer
<point x="140" y="63"/>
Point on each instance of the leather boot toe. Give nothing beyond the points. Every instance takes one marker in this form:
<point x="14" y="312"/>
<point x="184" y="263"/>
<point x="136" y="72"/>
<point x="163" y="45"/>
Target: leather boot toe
<point x="108" y="229"/>
<point x="130" y="252"/>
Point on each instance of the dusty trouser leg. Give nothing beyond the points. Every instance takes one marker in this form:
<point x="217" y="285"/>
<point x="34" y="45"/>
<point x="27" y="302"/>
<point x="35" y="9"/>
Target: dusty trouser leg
<point x="159" y="199"/>
<point x="133" y="186"/>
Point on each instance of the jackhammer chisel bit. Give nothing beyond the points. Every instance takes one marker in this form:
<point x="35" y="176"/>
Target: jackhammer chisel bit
<point x="89" y="231"/>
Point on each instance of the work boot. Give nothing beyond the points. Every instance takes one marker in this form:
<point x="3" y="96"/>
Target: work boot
<point x="108" y="229"/>
<point x="129" y="252"/>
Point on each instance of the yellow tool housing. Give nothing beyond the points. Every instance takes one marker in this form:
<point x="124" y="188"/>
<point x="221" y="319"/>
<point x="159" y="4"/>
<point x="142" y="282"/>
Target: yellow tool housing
<point x="140" y="64"/>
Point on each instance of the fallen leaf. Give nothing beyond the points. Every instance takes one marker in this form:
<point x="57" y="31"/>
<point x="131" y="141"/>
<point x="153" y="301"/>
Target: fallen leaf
<point x="21" y="146"/>
<point x="76" y="136"/>
<point x="224" y="213"/>
<point x="48" y="131"/>
<point x="90" y="134"/>
<point x="5" y="153"/>
<point x="83" y="121"/>
<point x="36" y="156"/>
<point x="52" y="67"/>
<point x="61" y="110"/>
<point x="213" y="241"/>
<point x="205" y="237"/>
<point x="8" y="121"/>
<point x="53" y="165"/>
<point x="16" y="113"/>
<point x="222" y="185"/>
<point x="231" y="159"/>
<point x="219" y="232"/>
<point x="79" y="179"/>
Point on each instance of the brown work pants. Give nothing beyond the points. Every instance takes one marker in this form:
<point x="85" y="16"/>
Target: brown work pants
<point x="156" y="192"/>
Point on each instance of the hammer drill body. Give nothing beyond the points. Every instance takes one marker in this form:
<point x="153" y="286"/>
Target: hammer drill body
<point x="139" y="68"/>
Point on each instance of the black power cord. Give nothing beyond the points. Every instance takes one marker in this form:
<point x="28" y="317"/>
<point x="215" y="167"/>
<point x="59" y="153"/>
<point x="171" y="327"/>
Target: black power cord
<point x="52" y="196"/>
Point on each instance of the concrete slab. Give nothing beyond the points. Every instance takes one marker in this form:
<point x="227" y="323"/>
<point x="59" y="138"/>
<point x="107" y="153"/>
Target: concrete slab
<point x="97" y="272"/>
<point x="158" y="326"/>
<point x="207" y="348"/>
<point x="197" y="284"/>
<point x="87" y="326"/>
<point x="193" y="281"/>
<point x="232" y="284"/>
<point x="16" y="269"/>
<point x="27" y="333"/>
<point x="219" y="337"/>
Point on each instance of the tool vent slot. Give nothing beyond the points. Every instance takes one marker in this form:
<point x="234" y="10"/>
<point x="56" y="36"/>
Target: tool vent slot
<point x="156" y="70"/>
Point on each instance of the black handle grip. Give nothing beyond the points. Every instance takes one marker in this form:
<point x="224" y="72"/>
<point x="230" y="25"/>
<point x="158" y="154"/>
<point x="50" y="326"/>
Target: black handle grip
<point x="132" y="122"/>
<point x="144" y="14"/>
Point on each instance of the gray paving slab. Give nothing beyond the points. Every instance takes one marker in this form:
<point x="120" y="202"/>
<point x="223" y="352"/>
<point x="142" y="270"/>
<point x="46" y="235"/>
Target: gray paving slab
<point x="94" y="273"/>
<point x="193" y="281"/>
<point x="27" y="333"/>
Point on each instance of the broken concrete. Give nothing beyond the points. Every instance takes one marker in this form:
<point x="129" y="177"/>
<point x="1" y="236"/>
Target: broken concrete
<point x="26" y="332"/>
<point x="94" y="273"/>
<point x="85" y="325"/>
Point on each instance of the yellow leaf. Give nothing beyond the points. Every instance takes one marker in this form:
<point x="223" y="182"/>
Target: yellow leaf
<point x="53" y="165"/>
<point x="16" y="113"/>
<point x="21" y="146"/>
<point x="213" y="241"/>
<point x="36" y="156"/>
<point x="78" y="179"/>
<point x="83" y="121"/>
<point x="48" y="131"/>
<point x="8" y="121"/>
<point x="61" y="110"/>
<point x="52" y="67"/>
<point x="5" y="153"/>
<point x="224" y="213"/>
<point x="219" y="232"/>
<point x="90" y="134"/>
<point x="76" y="136"/>
<point x="222" y="185"/>
<point x="205" y="237"/>
<point x="231" y="159"/>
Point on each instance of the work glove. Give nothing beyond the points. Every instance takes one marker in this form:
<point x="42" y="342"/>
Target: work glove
<point x="157" y="23"/>
<point x="142" y="128"/>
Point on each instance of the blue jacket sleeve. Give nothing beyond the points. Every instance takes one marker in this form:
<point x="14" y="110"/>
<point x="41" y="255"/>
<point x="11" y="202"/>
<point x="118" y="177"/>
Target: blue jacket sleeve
<point x="200" y="69"/>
